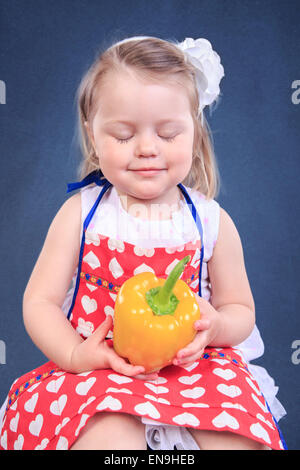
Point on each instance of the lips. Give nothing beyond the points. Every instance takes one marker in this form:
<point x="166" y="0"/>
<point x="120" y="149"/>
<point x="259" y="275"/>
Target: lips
<point x="148" y="172"/>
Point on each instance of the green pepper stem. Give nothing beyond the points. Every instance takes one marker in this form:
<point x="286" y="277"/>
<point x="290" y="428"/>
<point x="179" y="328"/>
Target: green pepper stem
<point x="165" y="292"/>
<point x="161" y="299"/>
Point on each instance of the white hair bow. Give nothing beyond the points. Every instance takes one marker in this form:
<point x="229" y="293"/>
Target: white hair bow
<point x="209" y="70"/>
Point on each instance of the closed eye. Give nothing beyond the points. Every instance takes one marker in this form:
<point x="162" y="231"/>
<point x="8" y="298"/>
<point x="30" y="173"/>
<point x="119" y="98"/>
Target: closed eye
<point x="124" y="141"/>
<point x="168" y="139"/>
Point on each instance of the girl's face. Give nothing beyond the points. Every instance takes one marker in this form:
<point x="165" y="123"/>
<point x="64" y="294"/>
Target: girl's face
<point x="143" y="135"/>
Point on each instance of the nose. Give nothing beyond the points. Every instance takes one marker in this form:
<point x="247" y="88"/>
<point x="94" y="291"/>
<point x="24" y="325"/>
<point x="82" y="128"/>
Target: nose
<point x="146" y="145"/>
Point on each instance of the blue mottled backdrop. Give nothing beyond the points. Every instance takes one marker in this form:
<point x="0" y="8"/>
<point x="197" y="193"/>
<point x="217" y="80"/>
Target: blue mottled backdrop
<point x="46" y="46"/>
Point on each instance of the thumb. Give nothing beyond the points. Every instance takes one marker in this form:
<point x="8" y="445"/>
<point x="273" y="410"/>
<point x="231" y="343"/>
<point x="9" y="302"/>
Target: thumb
<point x="101" y="332"/>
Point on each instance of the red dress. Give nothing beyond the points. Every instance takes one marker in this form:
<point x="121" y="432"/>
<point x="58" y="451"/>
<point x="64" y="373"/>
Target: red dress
<point x="48" y="407"/>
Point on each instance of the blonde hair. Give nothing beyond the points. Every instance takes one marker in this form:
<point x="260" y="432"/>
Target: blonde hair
<point x="152" y="59"/>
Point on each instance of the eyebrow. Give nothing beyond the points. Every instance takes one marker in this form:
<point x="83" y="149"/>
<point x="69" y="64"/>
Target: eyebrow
<point x="160" y="122"/>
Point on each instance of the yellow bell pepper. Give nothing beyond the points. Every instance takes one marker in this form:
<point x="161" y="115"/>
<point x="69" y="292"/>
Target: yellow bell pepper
<point x="153" y="318"/>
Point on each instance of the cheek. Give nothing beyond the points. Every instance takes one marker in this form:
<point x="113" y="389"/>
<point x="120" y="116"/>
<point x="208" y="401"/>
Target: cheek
<point x="182" y="153"/>
<point x="112" y="153"/>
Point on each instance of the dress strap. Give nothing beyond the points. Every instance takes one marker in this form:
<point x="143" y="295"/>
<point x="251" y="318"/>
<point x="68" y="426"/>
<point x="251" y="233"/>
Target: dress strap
<point x="198" y="223"/>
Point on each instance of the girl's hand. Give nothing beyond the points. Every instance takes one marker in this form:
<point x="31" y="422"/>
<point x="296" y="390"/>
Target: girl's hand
<point x="208" y="327"/>
<point x="95" y="353"/>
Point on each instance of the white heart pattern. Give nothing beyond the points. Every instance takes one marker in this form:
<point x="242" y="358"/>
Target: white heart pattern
<point x="110" y="403"/>
<point x="186" y="419"/>
<point x="31" y="403"/>
<point x="257" y="430"/>
<point x="143" y="268"/>
<point x="3" y="440"/>
<point x="115" y="268"/>
<point x="92" y="238"/>
<point x="13" y="425"/>
<point x="61" y="425"/>
<point x="259" y="403"/>
<point x="108" y="310"/>
<point x="83" y="387"/>
<point x="252" y="385"/>
<point x="36" y="425"/>
<point x="156" y="388"/>
<point x="84" y="405"/>
<point x="120" y="379"/>
<point x="191" y="367"/>
<point x="189" y="379"/>
<point x="237" y="406"/>
<point x="229" y="390"/>
<point x="85" y="328"/>
<point x="92" y="260"/>
<point x="158" y="400"/>
<point x="147" y="408"/>
<point x="89" y="305"/>
<point x="83" y="420"/>
<point x="18" y="444"/>
<point x="262" y="418"/>
<point x="114" y="244"/>
<point x="224" y="419"/>
<point x="91" y="287"/>
<point x="42" y="445"/>
<point x="62" y="443"/>
<point x="226" y="374"/>
<point x="57" y="406"/>
<point x="195" y="405"/>
<point x="195" y="392"/>
<point x="55" y="385"/>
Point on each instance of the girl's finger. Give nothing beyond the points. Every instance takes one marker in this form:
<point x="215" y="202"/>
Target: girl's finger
<point x="192" y="348"/>
<point x="202" y="324"/>
<point x="146" y="377"/>
<point x="188" y="360"/>
<point x="119" y="364"/>
<point x="101" y="332"/>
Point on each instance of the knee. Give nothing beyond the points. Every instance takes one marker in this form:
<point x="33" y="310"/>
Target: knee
<point x="106" y="420"/>
<point x="117" y="426"/>
<point x="225" y="440"/>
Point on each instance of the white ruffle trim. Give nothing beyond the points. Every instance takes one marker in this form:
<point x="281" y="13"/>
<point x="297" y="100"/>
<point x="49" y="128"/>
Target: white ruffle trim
<point x="268" y="389"/>
<point x="2" y="413"/>
<point x="253" y="348"/>
<point x="160" y="436"/>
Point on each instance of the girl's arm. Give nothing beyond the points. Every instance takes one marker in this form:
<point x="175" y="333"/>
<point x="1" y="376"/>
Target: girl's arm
<point x="231" y="293"/>
<point x="229" y="317"/>
<point x="47" y="287"/>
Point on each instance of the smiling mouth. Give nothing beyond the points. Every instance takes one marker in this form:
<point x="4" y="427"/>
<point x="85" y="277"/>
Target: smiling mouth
<point x="149" y="172"/>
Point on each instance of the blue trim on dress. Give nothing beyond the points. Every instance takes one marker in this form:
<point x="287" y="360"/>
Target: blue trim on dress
<point x="197" y="220"/>
<point x="106" y="186"/>
<point x="277" y="425"/>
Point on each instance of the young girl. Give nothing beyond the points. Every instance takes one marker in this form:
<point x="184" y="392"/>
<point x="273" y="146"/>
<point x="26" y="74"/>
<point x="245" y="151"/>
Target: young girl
<point x="146" y="201"/>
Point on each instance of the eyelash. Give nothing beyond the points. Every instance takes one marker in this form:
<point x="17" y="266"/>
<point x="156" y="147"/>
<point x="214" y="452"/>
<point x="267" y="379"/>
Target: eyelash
<point x="124" y="141"/>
